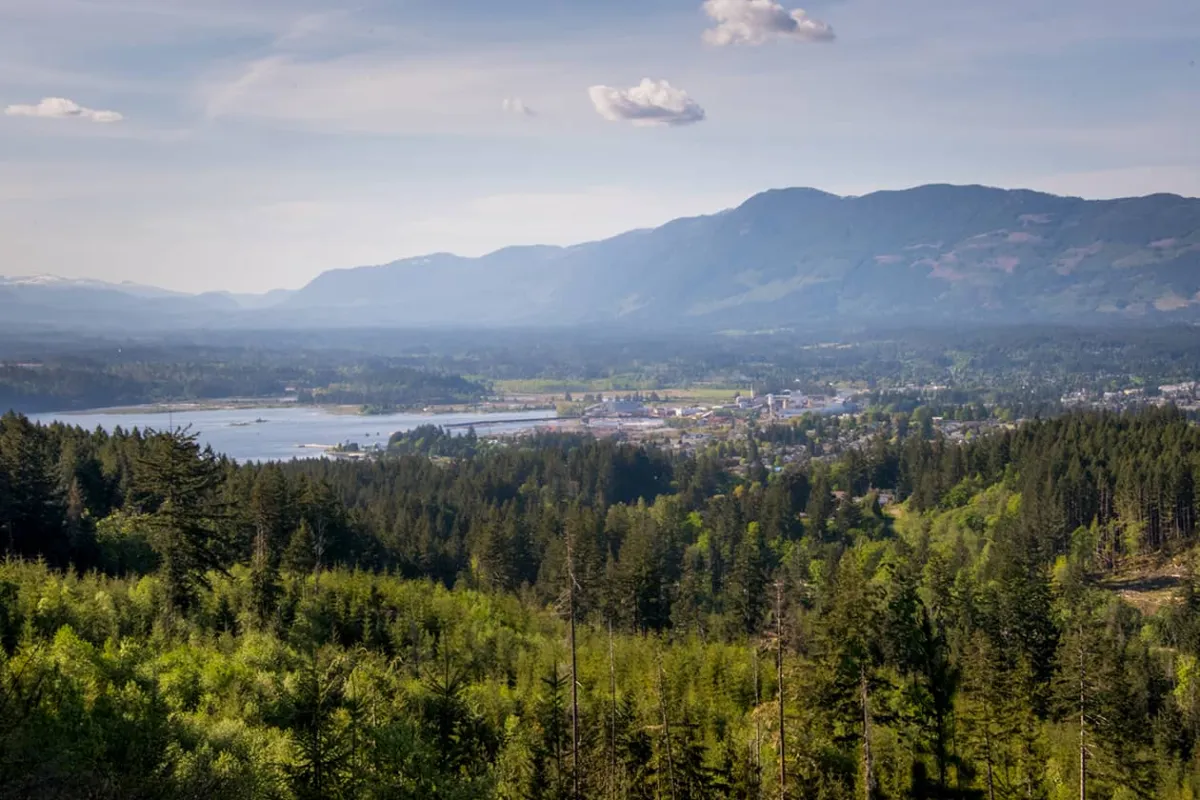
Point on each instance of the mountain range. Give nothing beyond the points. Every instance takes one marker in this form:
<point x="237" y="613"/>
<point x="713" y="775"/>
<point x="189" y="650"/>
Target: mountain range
<point x="784" y="257"/>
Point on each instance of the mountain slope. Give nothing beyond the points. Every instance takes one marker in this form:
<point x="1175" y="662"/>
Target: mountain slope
<point x="795" y="255"/>
<point x="784" y="257"/>
<point x="50" y="301"/>
<point x="80" y="303"/>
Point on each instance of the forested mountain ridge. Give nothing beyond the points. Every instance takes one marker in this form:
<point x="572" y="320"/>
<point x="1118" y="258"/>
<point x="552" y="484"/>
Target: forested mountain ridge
<point x="801" y="256"/>
<point x="789" y="257"/>
<point x="961" y="647"/>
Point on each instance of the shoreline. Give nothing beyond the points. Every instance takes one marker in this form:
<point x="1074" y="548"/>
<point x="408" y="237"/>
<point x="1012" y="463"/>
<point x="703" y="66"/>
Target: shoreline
<point x="256" y="404"/>
<point x="179" y="408"/>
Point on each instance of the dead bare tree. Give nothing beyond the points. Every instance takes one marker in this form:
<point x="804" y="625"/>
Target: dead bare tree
<point x="779" y="671"/>
<point x="666" y="723"/>
<point x="571" y="586"/>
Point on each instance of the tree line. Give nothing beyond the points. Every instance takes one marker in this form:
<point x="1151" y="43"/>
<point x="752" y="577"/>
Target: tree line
<point x="55" y="382"/>
<point x="1025" y="369"/>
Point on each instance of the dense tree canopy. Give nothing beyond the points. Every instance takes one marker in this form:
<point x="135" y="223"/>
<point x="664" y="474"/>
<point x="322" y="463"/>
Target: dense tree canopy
<point x="175" y="625"/>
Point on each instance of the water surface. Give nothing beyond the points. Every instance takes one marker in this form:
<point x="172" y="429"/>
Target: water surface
<point x="280" y="434"/>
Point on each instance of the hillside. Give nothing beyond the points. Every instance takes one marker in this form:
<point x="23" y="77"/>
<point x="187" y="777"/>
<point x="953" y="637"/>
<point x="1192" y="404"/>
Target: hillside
<point x="51" y="301"/>
<point x="796" y="255"/>
<point x="784" y="257"/>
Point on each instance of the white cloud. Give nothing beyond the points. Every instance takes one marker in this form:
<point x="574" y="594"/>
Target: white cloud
<point x="515" y="105"/>
<point x="62" y="108"/>
<point x="757" y="21"/>
<point x="649" y="103"/>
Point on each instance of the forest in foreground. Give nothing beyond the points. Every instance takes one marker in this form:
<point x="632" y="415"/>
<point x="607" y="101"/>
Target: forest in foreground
<point x="565" y="617"/>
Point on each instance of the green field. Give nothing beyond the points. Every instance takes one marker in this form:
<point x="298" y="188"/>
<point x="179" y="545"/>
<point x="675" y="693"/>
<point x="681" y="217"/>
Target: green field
<point x="708" y="394"/>
<point x="700" y="394"/>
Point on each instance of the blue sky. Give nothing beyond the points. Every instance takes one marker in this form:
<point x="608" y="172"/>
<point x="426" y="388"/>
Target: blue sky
<point x="262" y="142"/>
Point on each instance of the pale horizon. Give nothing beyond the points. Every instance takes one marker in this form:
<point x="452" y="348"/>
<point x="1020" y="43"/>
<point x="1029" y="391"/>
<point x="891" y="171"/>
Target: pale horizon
<point x="203" y="147"/>
<point x="488" y="251"/>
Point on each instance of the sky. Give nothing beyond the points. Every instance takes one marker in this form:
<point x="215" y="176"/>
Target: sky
<point x="235" y="145"/>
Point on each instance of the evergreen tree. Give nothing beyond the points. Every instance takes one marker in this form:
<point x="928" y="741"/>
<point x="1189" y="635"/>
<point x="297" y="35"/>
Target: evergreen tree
<point x="821" y="503"/>
<point x="300" y="558"/>
<point x="321" y="729"/>
<point x="31" y="508"/>
<point x="180" y="482"/>
<point x="264" y="578"/>
<point x="747" y="587"/>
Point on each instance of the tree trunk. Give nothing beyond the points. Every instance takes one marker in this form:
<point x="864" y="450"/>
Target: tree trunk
<point x="779" y="671"/>
<point x="318" y="554"/>
<point x="574" y="674"/>
<point x="757" y="724"/>
<point x="869" y="786"/>
<point x="987" y="751"/>
<point x="1082" y="721"/>
<point x="666" y="721"/>
<point x="612" y="691"/>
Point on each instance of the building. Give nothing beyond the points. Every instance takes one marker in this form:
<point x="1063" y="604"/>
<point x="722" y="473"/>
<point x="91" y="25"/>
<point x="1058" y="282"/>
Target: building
<point x="618" y="408"/>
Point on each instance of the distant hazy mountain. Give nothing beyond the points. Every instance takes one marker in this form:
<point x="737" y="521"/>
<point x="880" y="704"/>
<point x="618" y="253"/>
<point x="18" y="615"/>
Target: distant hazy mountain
<point x="55" y="284"/>
<point x="53" y="301"/>
<point x="259" y="301"/>
<point x="799" y="255"/>
<point x="785" y="257"/>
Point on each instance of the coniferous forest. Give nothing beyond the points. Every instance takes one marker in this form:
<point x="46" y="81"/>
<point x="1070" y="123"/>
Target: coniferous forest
<point x="566" y="617"/>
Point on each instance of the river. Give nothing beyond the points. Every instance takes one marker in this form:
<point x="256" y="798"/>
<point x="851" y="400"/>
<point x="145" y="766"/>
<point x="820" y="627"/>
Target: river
<point x="281" y="434"/>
